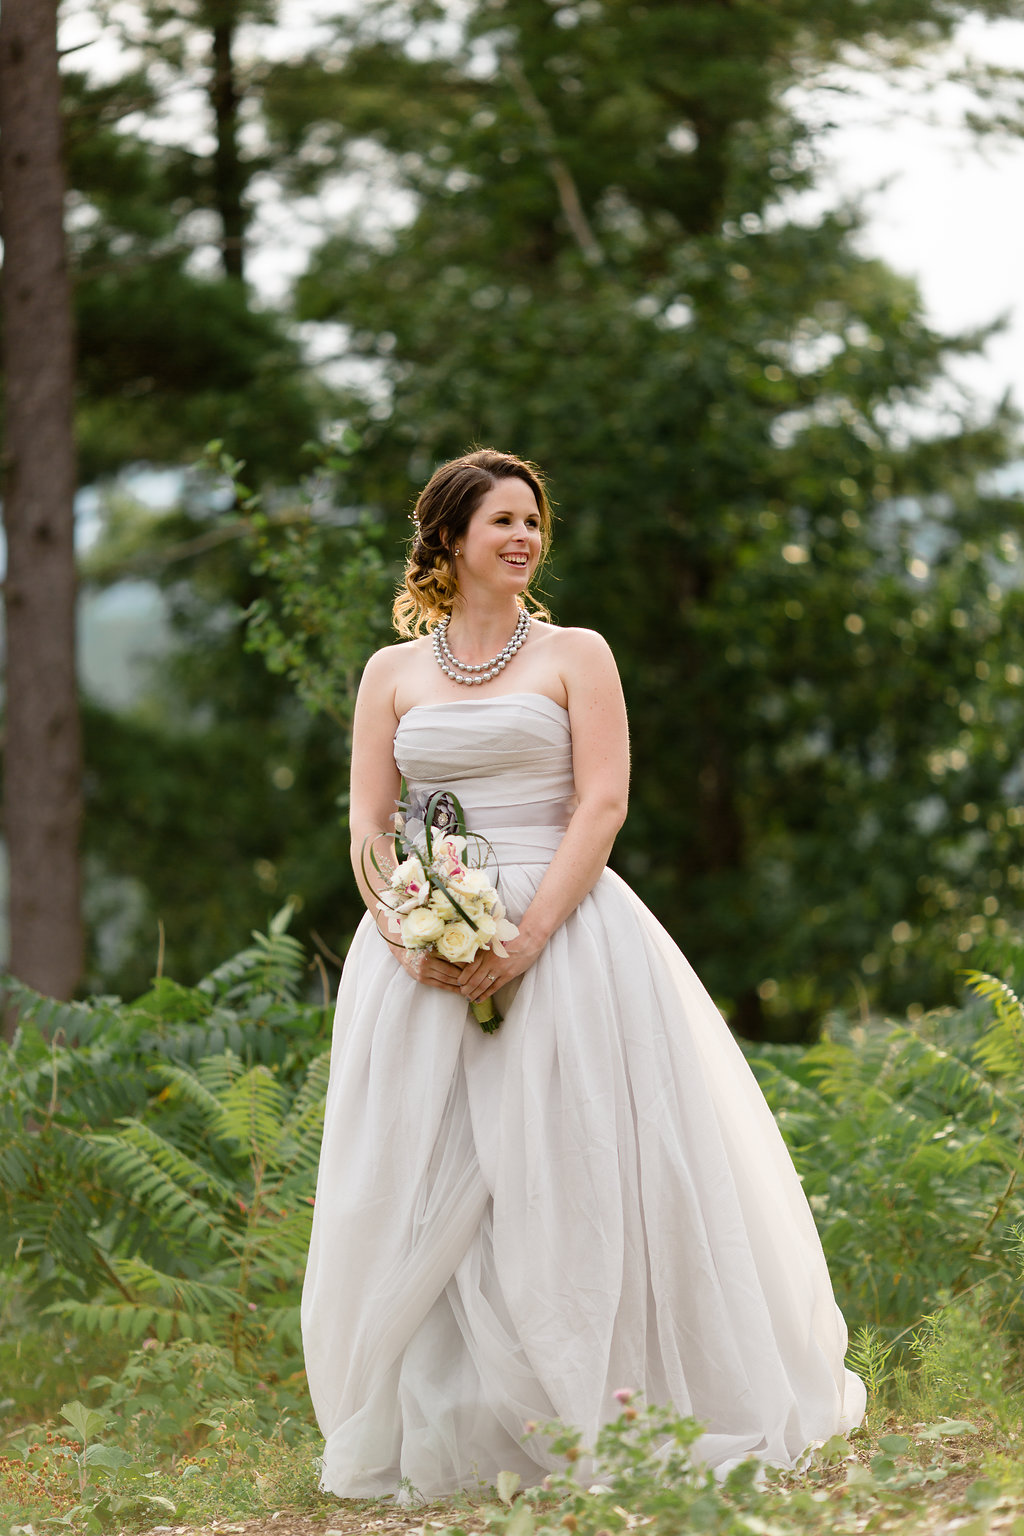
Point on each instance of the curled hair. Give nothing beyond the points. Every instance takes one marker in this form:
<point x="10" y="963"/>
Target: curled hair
<point x="442" y="513"/>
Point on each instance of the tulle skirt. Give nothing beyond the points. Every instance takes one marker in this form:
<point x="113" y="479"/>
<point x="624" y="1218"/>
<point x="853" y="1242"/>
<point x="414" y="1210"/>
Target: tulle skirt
<point x="511" y="1227"/>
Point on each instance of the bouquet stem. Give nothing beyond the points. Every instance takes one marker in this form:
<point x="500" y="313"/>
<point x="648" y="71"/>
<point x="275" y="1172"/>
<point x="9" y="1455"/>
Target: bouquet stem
<point x="486" y="1015"/>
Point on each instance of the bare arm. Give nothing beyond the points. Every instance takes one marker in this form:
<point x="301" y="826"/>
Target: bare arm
<point x="375" y="788"/>
<point x="597" y="716"/>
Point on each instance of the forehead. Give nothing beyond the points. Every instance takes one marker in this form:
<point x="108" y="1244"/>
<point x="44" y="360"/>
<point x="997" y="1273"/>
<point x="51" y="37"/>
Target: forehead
<point x="508" y="495"/>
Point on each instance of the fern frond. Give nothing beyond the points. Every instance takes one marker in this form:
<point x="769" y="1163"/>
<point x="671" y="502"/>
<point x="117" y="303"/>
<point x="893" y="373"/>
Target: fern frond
<point x="194" y="1297"/>
<point x="1001" y="1048"/>
<point x="134" y="1320"/>
<point x="168" y="1158"/>
<point x="312" y="1091"/>
<point x="55" y="1020"/>
<point x="298" y="1151"/>
<point x="162" y="1184"/>
<point x="254" y="1111"/>
<point x="272" y="967"/>
<point x="247" y="1106"/>
<point x="198" y="1090"/>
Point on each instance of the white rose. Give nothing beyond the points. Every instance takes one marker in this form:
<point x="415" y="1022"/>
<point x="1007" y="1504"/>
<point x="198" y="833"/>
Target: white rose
<point x="486" y="927"/>
<point x="458" y="943"/>
<point x="440" y="904"/>
<point x="479" y="918"/>
<point x="472" y="907"/>
<point x="420" y="927"/>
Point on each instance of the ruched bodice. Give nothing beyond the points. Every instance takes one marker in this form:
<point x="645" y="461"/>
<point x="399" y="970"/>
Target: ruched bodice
<point x="510" y="1227"/>
<point x="508" y="759"/>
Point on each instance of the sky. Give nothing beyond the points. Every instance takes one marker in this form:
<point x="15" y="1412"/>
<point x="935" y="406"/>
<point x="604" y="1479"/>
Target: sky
<point x="943" y="205"/>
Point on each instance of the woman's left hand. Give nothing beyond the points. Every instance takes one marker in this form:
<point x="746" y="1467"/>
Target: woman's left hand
<point x="483" y="976"/>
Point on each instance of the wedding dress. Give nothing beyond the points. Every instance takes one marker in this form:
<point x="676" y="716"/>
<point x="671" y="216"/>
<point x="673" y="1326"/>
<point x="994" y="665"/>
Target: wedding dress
<point x="510" y="1227"/>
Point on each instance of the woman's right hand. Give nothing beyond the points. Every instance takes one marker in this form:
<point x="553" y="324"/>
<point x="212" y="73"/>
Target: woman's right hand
<point x="422" y="965"/>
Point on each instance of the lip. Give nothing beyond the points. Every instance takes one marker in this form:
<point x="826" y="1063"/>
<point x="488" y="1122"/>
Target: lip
<point x="518" y="560"/>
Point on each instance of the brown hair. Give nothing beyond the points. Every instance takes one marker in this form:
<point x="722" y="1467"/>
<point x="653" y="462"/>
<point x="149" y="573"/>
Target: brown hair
<point x="442" y="514"/>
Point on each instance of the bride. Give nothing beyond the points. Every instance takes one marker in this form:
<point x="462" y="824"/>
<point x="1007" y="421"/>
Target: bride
<point x="512" y="1226"/>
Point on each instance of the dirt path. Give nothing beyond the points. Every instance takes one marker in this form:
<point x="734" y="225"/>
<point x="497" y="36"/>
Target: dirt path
<point x="425" y="1521"/>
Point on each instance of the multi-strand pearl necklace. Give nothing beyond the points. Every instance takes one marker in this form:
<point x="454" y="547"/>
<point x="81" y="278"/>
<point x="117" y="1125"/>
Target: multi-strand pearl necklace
<point x="483" y="671"/>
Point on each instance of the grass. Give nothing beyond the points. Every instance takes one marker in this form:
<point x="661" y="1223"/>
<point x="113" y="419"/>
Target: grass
<point x="895" y="1476"/>
<point x="134" y="1395"/>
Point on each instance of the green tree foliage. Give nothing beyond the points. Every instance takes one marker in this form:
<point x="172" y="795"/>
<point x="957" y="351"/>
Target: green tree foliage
<point x="215" y="796"/>
<point x="219" y="792"/>
<point x="765" y="507"/>
<point x="169" y="353"/>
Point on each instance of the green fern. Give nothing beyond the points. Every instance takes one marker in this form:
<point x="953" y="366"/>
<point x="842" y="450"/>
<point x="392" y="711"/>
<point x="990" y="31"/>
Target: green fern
<point x="870" y="1355"/>
<point x="273" y="967"/>
<point x="1001" y="1048"/>
<point x="909" y="1150"/>
<point x="213" y="1204"/>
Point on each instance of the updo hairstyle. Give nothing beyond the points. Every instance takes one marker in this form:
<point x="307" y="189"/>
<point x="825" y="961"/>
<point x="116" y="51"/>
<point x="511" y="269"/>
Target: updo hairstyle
<point x="442" y="514"/>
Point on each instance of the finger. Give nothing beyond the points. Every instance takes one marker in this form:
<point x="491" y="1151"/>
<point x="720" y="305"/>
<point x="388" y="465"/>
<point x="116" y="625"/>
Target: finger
<point x="437" y="978"/>
<point x="482" y="986"/>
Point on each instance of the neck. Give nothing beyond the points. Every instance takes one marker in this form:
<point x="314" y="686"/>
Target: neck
<point x="476" y="631"/>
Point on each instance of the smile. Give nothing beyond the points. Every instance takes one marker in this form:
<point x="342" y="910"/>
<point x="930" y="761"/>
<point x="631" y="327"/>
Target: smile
<point x="517" y="560"/>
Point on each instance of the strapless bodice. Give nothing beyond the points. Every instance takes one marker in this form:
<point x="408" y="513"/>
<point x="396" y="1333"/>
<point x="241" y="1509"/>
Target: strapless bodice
<point x="508" y="759"/>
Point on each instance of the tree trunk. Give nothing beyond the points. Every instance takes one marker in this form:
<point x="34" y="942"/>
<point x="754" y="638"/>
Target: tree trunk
<point x="229" y="177"/>
<point x="42" y="746"/>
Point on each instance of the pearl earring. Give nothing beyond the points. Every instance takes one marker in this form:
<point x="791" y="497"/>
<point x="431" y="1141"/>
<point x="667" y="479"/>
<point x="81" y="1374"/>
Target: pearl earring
<point x="458" y="551"/>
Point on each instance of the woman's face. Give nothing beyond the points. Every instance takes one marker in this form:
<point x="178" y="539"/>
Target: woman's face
<point x="501" y="547"/>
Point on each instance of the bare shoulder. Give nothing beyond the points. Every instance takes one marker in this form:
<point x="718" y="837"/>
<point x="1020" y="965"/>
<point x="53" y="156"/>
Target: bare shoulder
<point x="579" y="653"/>
<point x="384" y="665"/>
<point x="380" y="682"/>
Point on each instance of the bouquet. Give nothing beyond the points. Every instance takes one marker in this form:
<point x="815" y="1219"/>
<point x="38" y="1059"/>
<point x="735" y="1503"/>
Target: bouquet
<point x="439" y="894"/>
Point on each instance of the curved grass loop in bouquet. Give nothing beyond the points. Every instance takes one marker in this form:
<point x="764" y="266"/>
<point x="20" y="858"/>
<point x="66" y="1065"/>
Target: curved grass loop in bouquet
<point x="439" y="894"/>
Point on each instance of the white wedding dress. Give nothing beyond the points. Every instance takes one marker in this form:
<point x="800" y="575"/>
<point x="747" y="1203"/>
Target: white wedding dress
<point x="512" y="1226"/>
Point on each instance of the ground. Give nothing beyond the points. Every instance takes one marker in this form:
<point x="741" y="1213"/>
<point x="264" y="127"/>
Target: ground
<point x="352" y="1521"/>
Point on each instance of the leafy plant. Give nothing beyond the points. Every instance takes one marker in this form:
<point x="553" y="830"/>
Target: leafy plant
<point x="202" y="1195"/>
<point x="330" y="583"/>
<point x="157" y="1168"/>
<point x="643" y="1474"/>
<point x="908" y="1138"/>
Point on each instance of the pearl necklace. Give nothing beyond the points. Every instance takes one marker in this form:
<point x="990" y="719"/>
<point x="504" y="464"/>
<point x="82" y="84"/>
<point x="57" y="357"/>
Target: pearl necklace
<point x="484" y="670"/>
